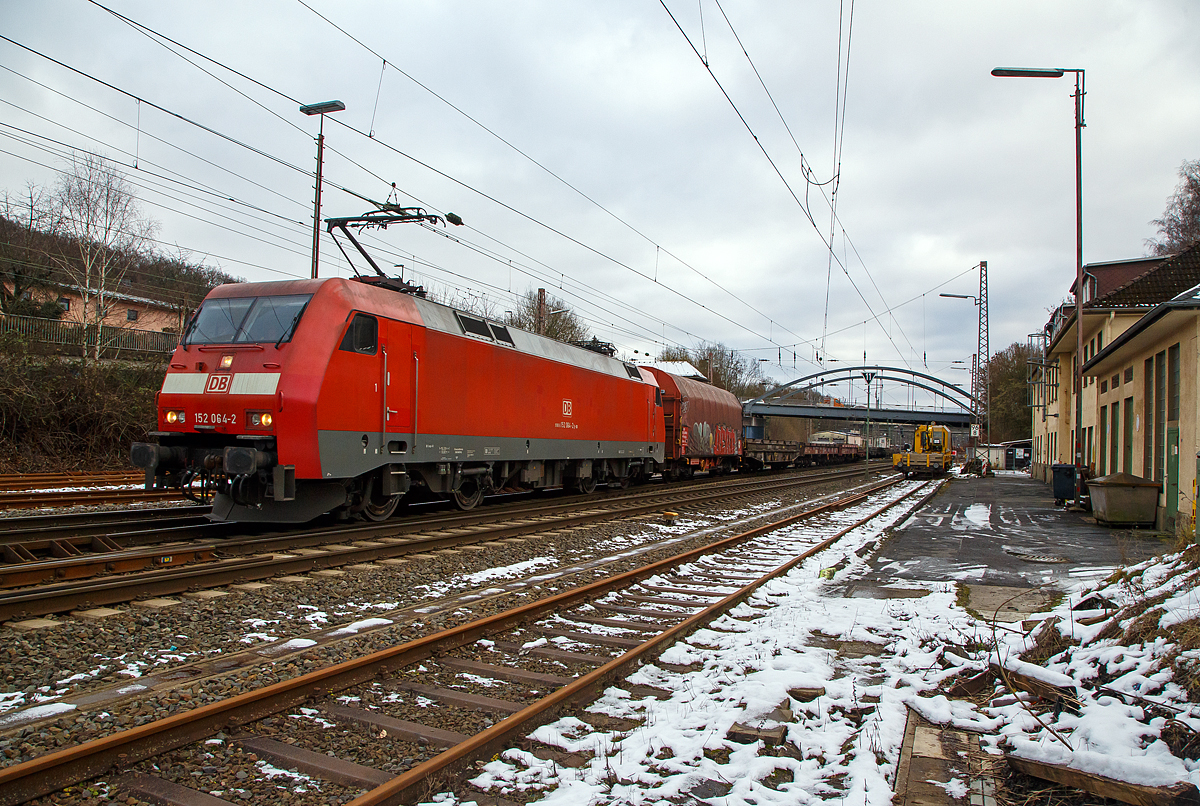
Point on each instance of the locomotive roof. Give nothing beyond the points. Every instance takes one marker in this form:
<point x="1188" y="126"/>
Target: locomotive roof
<point x="436" y="316"/>
<point x="451" y="320"/>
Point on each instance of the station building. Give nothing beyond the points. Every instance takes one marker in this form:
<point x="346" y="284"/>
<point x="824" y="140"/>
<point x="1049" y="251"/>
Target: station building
<point x="1141" y="364"/>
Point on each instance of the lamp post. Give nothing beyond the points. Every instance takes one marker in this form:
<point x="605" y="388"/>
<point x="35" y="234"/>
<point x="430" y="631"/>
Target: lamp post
<point x="1059" y="72"/>
<point x="321" y="109"/>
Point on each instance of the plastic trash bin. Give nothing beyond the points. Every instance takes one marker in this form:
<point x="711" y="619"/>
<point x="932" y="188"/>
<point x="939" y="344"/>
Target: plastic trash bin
<point x="1064" y="482"/>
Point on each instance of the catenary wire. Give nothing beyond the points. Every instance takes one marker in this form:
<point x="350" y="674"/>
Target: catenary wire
<point x="429" y="167"/>
<point x="544" y="168"/>
<point x="276" y="159"/>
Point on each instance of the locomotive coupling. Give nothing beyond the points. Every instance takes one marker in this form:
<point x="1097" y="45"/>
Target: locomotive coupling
<point x="243" y="461"/>
<point x="150" y="456"/>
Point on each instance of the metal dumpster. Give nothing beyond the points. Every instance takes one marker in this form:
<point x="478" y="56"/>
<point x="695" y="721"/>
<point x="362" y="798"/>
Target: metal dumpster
<point x="1125" y="499"/>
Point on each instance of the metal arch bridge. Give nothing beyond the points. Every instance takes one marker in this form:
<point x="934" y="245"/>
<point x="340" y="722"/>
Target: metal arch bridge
<point x="774" y="401"/>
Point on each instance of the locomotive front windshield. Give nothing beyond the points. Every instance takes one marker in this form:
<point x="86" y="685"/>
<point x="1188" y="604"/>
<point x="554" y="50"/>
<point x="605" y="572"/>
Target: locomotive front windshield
<point x="246" y="320"/>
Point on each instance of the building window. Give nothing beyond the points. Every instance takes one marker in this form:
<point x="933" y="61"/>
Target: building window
<point x="1103" y="387"/>
<point x="131" y="315"/>
<point x="64" y="303"/>
<point x="1116" y="381"/>
<point x="1128" y="374"/>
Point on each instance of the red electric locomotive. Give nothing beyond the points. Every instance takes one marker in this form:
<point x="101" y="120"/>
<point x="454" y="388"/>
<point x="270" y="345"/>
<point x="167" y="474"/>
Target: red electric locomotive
<point x="287" y="400"/>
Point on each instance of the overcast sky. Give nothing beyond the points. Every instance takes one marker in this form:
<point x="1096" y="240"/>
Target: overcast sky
<point x="590" y="152"/>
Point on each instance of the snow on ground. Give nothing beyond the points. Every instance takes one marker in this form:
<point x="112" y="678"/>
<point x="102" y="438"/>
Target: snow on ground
<point x="846" y="744"/>
<point x="1118" y="730"/>
<point x="785" y="637"/>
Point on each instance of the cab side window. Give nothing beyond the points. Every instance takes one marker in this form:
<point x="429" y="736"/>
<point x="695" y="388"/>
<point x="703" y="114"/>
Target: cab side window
<point x="362" y="336"/>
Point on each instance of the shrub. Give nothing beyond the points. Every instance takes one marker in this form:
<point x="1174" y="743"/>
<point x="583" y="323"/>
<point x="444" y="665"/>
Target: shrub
<point x="62" y="414"/>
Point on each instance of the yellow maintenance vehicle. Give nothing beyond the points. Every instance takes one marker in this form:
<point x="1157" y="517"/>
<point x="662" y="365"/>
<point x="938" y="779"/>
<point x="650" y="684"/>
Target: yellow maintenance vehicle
<point x="930" y="456"/>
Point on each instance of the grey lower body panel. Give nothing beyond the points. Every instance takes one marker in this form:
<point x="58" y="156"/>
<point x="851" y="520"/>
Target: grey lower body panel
<point x="347" y="454"/>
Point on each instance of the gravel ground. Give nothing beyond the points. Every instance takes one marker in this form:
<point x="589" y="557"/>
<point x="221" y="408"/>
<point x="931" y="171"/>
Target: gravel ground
<point x="81" y="654"/>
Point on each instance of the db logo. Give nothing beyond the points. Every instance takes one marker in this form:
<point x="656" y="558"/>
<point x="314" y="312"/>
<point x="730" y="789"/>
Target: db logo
<point x="217" y="384"/>
<point x="566" y="408"/>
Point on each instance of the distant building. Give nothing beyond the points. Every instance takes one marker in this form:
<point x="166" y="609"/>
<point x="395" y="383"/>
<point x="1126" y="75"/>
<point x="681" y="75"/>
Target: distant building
<point x="125" y="309"/>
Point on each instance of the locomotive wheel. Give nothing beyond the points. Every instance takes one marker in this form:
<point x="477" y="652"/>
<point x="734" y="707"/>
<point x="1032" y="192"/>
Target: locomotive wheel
<point x="381" y="512"/>
<point x="468" y="495"/>
<point x="587" y="486"/>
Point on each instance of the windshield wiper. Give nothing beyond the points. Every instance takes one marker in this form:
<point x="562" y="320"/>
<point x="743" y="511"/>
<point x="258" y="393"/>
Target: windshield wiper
<point x="188" y="328"/>
<point x="287" y="334"/>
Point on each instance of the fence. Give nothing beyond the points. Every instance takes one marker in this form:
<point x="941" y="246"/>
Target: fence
<point x="115" y="342"/>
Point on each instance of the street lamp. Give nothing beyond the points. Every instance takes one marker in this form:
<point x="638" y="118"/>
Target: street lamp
<point x="1059" y="72"/>
<point x="321" y="109"/>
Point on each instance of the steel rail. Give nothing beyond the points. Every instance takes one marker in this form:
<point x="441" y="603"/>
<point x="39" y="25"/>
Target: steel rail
<point x="168" y="579"/>
<point x="56" y="770"/>
<point x="14" y="529"/>
<point x="416" y="782"/>
<point x="33" y="481"/>
<point x="28" y="500"/>
<point x="21" y="528"/>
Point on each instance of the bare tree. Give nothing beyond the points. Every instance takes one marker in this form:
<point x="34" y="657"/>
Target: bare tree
<point x="549" y="316"/>
<point x="27" y="218"/>
<point x="723" y="366"/>
<point x="1179" y="226"/>
<point x="98" y="211"/>
<point x="468" y="301"/>
<point x="179" y="278"/>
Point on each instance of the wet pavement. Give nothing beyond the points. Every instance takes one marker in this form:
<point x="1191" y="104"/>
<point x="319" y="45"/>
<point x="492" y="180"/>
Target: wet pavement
<point x="1005" y="531"/>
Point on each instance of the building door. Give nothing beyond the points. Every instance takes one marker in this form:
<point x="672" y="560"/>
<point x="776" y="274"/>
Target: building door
<point x="1114" y="438"/>
<point x="1127" y="442"/>
<point x="1172" y="502"/>
<point x="1102" y="454"/>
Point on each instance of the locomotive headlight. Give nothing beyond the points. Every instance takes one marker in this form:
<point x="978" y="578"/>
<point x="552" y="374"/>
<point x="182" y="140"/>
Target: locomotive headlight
<point x="259" y="419"/>
<point x="266" y="419"/>
<point x="174" y="416"/>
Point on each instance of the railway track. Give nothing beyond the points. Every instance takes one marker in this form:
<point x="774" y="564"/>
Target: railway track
<point x="26" y="528"/>
<point x="398" y="725"/>
<point x="39" y="490"/>
<point x="22" y="482"/>
<point x="58" y="564"/>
